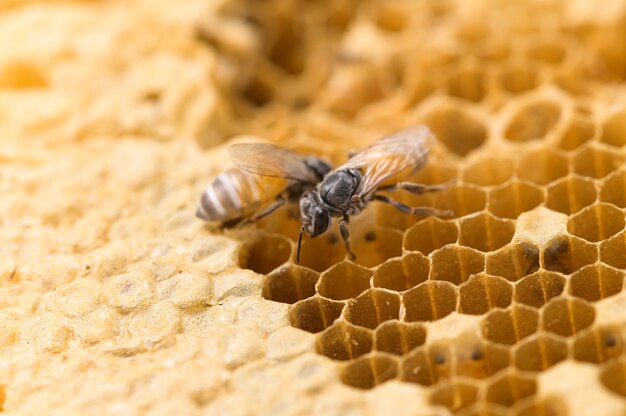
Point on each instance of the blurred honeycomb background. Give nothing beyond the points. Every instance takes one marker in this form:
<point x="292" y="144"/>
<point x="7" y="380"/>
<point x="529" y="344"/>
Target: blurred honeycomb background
<point x="114" y="299"/>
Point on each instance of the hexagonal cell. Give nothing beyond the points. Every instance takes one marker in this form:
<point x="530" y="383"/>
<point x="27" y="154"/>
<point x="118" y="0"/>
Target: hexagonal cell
<point x="429" y="235"/>
<point x="374" y="246"/>
<point x="402" y="273"/>
<point x="596" y="222"/>
<point x="461" y="200"/>
<point x="514" y="261"/>
<point x="539" y="352"/>
<point x="571" y="194"/>
<point x="458" y="131"/>
<point x="550" y="53"/>
<point x="485" y="232"/>
<point x="533" y="121"/>
<point x="509" y="388"/>
<point x="455" y="394"/>
<point x="566" y="254"/>
<point x="578" y="132"/>
<point x="369" y="371"/>
<point x="343" y="341"/>
<point x="481" y="360"/>
<point x="267" y="252"/>
<point x="614" y="130"/>
<point x="553" y="406"/>
<point x="518" y="80"/>
<point x="538" y="288"/>
<point x="344" y="280"/>
<point x="614" y="189"/>
<point x="598" y="344"/>
<point x="290" y="284"/>
<point x="429" y="301"/>
<point x="421" y="367"/>
<point x="373" y="307"/>
<point x="542" y="166"/>
<point x="595" y="282"/>
<point x="612" y="251"/>
<point x="596" y="162"/>
<point x="613" y="377"/>
<point x="399" y="338"/>
<point x="488" y="171"/>
<point x="510" y="325"/>
<point x="514" y="198"/>
<point x="468" y="84"/>
<point x="322" y="252"/>
<point x="456" y="264"/>
<point x="567" y="316"/>
<point x="482" y="292"/>
<point x="314" y="314"/>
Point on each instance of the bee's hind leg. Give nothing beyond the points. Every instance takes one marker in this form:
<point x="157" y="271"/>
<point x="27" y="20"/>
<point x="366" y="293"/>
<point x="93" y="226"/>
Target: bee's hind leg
<point x="412" y="210"/>
<point x="345" y="234"/>
<point x="267" y="211"/>
<point x="416" y="188"/>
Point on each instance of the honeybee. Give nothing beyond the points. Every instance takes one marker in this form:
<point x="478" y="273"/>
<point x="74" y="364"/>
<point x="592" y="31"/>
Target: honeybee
<point x="264" y="174"/>
<point x="380" y="167"/>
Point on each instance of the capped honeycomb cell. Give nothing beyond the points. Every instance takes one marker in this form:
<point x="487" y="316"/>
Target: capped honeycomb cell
<point x="539" y="352"/>
<point x="429" y="235"/>
<point x="595" y="282"/>
<point x="596" y="222"/>
<point x="481" y="360"/>
<point x="369" y="371"/>
<point x="460" y="132"/>
<point x="510" y="200"/>
<point x="614" y="189"/>
<point x="482" y="292"/>
<point x="612" y="251"/>
<point x="398" y="337"/>
<point x="517" y="80"/>
<point x="485" y="232"/>
<point x="344" y="280"/>
<point x="567" y="316"/>
<point x="613" y="376"/>
<point x="315" y="314"/>
<point x="373" y="246"/>
<point x="373" y="307"/>
<point x="290" y="284"/>
<point x="598" y="344"/>
<point x="267" y="253"/>
<point x="468" y="84"/>
<point x="488" y="171"/>
<point x="402" y="273"/>
<point x="579" y="131"/>
<point x="510" y="325"/>
<point x="429" y="301"/>
<point x="542" y="166"/>
<point x="343" y="341"/>
<point x="456" y="264"/>
<point x="533" y="121"/>
<point x="614" y="130"/>
<point x="513" y="261"/>
<point x="570" y="195"/>
<point x="568" y="254"/>
<point x="538" y="288"/>
<point x="510" y="387"/>
<point x="455" y="394"/>
<point x="596" y="162"/>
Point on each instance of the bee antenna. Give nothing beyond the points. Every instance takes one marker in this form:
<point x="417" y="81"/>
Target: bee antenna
<point x="299" y="244"/>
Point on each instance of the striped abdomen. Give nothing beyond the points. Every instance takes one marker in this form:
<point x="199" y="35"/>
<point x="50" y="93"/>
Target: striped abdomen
<point x="235" y="194"/>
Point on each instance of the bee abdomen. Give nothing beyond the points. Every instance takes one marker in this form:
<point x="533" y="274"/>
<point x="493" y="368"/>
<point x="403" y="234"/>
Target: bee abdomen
<point x="221" y="201"/>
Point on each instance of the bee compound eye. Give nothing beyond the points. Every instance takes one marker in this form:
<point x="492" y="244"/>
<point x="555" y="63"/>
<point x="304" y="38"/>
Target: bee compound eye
<point x="321" y="221"/>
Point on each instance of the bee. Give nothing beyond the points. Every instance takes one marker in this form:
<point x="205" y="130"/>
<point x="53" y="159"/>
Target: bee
<point x="348" y="189"/>
<point x="263" y="174"/>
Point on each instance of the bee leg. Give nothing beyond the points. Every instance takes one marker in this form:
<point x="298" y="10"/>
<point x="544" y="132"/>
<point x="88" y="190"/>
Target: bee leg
<point x="267" y="211"/>
<point x="416" y="188"/>
<point x="345" y="234"/>
<point x="412" y="210"/>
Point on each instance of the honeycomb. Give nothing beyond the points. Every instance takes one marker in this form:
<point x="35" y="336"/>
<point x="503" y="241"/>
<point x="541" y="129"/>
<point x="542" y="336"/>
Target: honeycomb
<point x="114" y="299"/>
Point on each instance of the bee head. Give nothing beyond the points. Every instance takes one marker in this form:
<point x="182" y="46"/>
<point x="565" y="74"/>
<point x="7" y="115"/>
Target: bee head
<point x="315" y="218"/>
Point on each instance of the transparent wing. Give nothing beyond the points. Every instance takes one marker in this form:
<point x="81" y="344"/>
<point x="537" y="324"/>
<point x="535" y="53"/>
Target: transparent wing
<point x="269" y="160"/>
<point x="399" y="153"/>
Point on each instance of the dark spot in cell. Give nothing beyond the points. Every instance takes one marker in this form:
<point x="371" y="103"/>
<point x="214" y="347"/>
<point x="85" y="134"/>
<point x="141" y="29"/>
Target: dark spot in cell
<point x="440" y="359"/>
<point x="609" y="341"/>
<point x="152" y="96"/>
<point x="370" y="236"/>
<point x="477" y="355"/>
<point x="333" y="238"/>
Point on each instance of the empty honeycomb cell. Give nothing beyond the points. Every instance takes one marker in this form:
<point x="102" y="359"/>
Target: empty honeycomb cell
<point x="538" y="288"/>
<point x="482" y="292"/>
<point x="398" y="337"/>
<point x="402" y="273"/>
<point x="435" y="172"/>
<point x="456" y="264"/>
<point x="455" y="395"/>
<point x="373" y="247"/>
<point x="373" y="307"/>
<point x="595" y="282"/>
<point x="489" y="171"/>
<point x="567" y="316"/>
<point x="566" y="254"/>
<point x="458" y="131"/>
<point x="547" y="406"/>
<point x="578" y="132"/>
<point x="268" y="252"/>
<point x="461" y="200"/>
<point x="391" y="16"/>
<point x="322" y="252"/>
<point x="542" y="166"/>
<point x="518" y="80"/>
<point x="613" y="376"/>
<point x="429" y="301"/>
<point x="550" y="53"/>
<point x="343" y="341"/>
<point x="510" y="200"/>
<point x="596" y="162"/>
<point x="570" y="195"/>
<point x="509" y="388"/>
<point x="513" y="261"/>
<point x="480" y="360"/>
<point x="614" y="130"/>
<point x="596" y="222"/>
<point x="369" y="371"/>
<point x="419" y="367"/>
<point x="510" y="325"/>
<point x="614" y="189"/>
<point x="598" y="344"/>
<point x="485" y="232"/>
<point x="539" y="352"/>
<point x="344" y="280"/>
<point x="612" y="251"/>
<point x="468" y="84"/>
<point x="314" y="314"/>
<point x="429" y="235"/>
<point x="533" y="121"/>
<point x="290" y="284"/>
